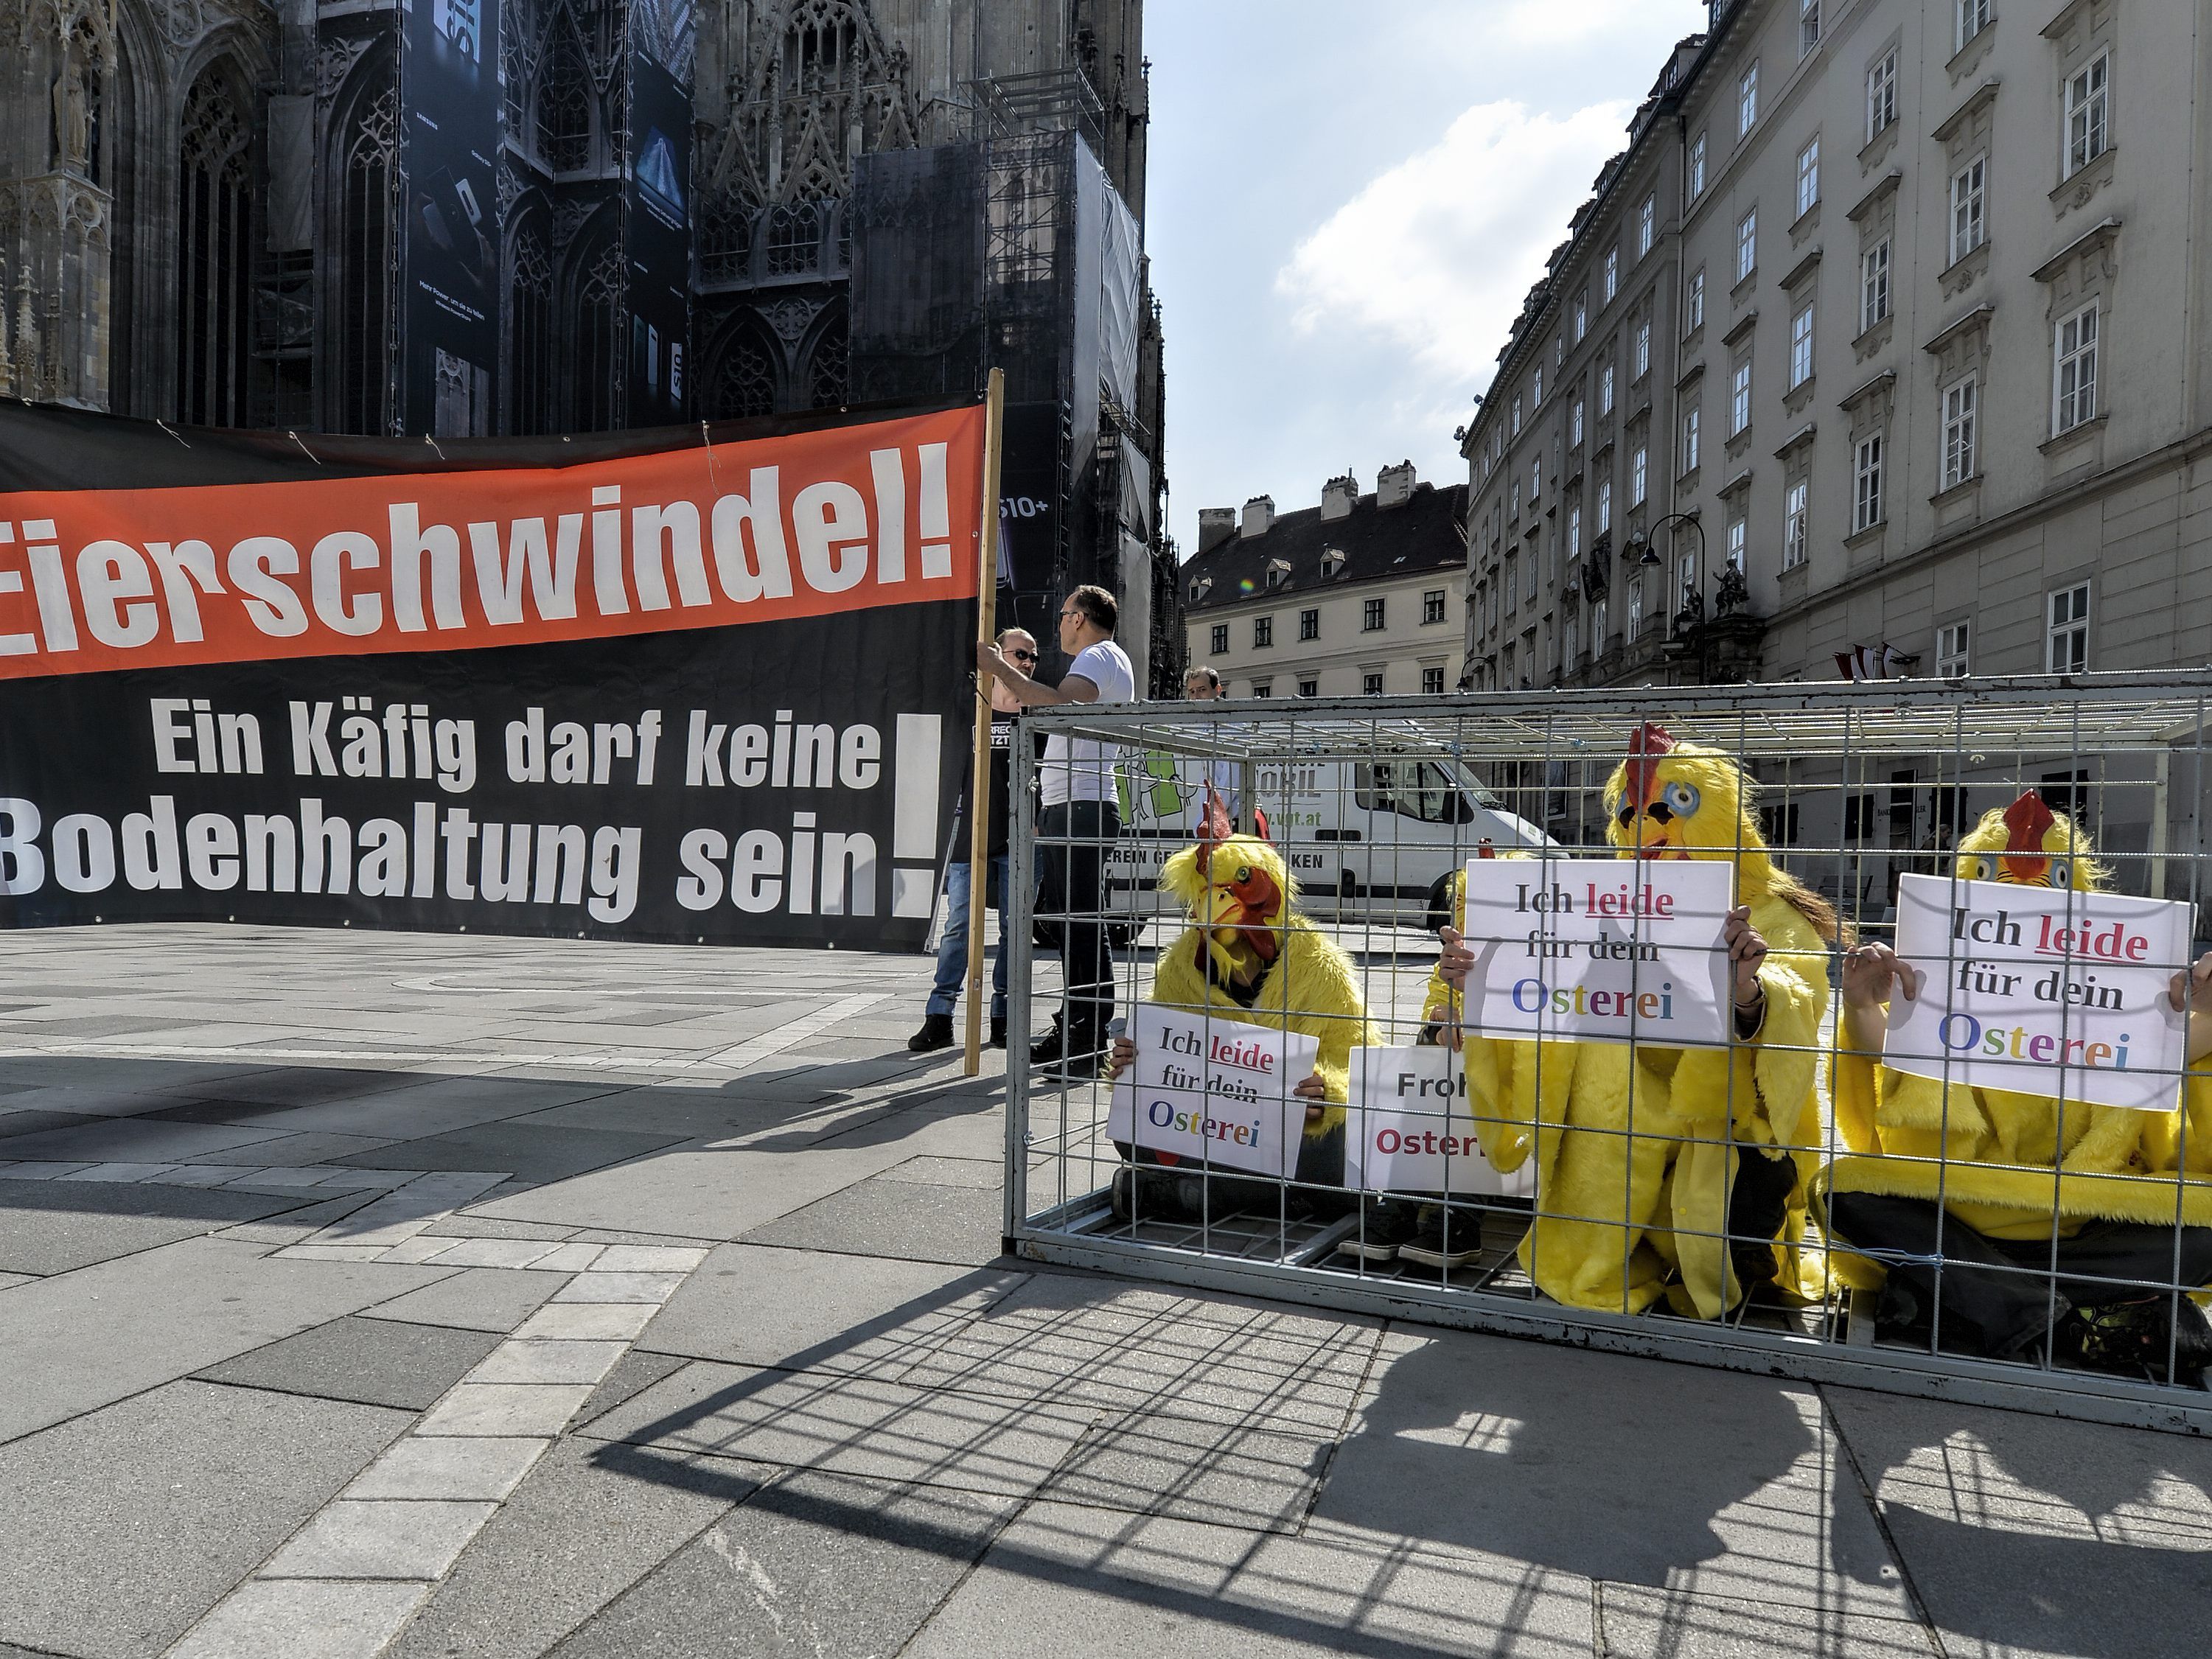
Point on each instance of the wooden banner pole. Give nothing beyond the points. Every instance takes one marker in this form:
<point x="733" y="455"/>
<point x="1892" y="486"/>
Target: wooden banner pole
<point x="979" y="772"/>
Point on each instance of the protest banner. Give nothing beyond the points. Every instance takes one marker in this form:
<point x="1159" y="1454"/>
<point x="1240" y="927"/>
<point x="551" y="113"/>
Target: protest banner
<point x="1599" y="949"/>
<point x="704" y="685"/>
<point x="1410" y="1128"/>
<point x="2042" y="991"/>
<point x="1213" y="1091"/>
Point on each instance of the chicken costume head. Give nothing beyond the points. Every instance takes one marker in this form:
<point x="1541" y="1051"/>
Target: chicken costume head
<point x="1249" y="955"/>
<point x="1988" y="1154"/>
<point x="2028" y="845"/>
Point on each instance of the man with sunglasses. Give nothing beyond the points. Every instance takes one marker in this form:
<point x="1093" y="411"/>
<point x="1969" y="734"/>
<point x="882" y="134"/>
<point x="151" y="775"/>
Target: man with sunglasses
<point x="1019" y="646"/>
<point x="1080" y="821"/>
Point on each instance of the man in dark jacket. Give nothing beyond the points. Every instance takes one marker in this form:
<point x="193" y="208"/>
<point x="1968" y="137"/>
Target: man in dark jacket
<point x="1019" y="648"/>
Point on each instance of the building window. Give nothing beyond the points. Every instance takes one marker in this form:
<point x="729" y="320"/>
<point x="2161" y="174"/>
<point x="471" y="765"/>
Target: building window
<point x="2066" y="649"/>
<point x="1968" y="197"/>
<point x="1605" y="506"/>
<point x="1638" y="467"/>
<point x="1370" y="685"/>
<point x="1698" y="167"/>
<point x="1581" y="315"/>
<point x="1263" y="632"/>
<point x="2074" y="385"/>
<point x="1535" y="482"/>
<point x="1694" y="309"/>
<point x="1571" y="642"/>
<point x="1738" y="532"/>
<point x="1808" y="27"/>
<point x="1801" y="346"/>
<point x="1881" y="95"/>
<point x="1513" y="496"/>
<point x="1597" y="628"/>
<point x="1643" y="348"/>
<point x="2088" y="112"/>
<point x="1952" y="641"/>
<point x="1647" y="225"/>
<point x="1740" y="399"/>
<point x="1218" y="640"/>
<point x="1512" y="582"/>
<point x="1432" y="605"/>
<point x="1866" y="483"/>
<point x="1690" y="424"/>
<point x="1309" y="625"/>
<point x="1635" y="604"/>
<point x="1974" y="16"/>
<point x="1370" y="615"/>
<point x="1432" y="682"/>
<point x="1747" y="245"/>
<point x="1263" y="688"/>
<point x="1809" y="177"/>
<point x="1575" y="425"/>
<point x="1516" y="415"/>
<point x="1960" y="403"/>
<point x="1612" y="273"/>
<point x="1794" y="527"/>
<point x="1874" y="285"/>
<point x="1309" y="686"/>
<point x="1605" y="390"/>
<point x="1747" y="100"/>
<point x="1536" y="388"/>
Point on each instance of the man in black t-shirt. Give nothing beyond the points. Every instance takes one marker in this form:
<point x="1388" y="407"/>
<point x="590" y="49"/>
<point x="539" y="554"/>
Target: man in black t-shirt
<point x="1020" y="647"/>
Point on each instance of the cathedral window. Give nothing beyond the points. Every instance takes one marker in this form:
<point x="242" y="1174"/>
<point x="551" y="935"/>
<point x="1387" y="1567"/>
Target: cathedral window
<point x="564" y="99"/>
<point x="214" y="258"/>
<point x="363" y="325"/>
<point x="744" y="380"/>
<point x="530" y="336"/>
<point x="794" y="238"/>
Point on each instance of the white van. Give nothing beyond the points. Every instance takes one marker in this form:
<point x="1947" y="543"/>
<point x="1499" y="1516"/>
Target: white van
<point x="1366" y="841"/>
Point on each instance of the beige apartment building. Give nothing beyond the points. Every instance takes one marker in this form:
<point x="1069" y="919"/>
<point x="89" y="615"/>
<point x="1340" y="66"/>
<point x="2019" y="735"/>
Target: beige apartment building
<point x="1361" y="596"/>
<point x="1884" y="331"/>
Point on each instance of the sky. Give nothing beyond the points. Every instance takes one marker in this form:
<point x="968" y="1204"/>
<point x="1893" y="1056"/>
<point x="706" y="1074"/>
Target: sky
<point x="1346" y="201"/>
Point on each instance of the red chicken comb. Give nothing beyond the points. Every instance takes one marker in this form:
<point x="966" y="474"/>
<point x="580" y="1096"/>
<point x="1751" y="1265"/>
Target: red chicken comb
<point x="2026" y="820"/>
<point x="1487" y="849"/>
<point x="1214" y="828"/>
<point x="1645" y="745"/>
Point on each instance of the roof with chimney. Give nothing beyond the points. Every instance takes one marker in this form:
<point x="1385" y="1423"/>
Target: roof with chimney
<point x="1306" y="553"/>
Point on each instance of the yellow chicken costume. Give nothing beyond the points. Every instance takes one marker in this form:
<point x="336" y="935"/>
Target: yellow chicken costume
<point x="1989" y="1154"/>
<point x="1250" y="956"/>
<point x="1622" y="1217"/>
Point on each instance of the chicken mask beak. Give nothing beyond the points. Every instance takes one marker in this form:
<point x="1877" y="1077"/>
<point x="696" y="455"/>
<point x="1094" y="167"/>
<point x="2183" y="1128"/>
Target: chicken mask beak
<point x="2024" y="863"/>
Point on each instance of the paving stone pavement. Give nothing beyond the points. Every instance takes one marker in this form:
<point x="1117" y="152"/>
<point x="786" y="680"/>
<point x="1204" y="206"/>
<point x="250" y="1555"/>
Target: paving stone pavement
<point x="370" y="1294"/>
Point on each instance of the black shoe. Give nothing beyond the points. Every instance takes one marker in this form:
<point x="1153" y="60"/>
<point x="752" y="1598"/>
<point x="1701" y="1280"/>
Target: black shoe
<point x="1386" y="1225"/>
<point x="936" y="1033"/>
<point x="1148" y="1194"/>
<point x="1428" y="1247"/>
<point x="998" y="1034"/>
<point x="1045" y="1050"/>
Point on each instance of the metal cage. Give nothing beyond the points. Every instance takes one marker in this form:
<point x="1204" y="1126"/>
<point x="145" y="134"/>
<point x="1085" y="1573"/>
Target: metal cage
<point x="1372" y="804"/>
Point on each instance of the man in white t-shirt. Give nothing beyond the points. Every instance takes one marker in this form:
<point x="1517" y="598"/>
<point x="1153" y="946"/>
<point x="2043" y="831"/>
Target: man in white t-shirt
<point x="1081" y="819"/>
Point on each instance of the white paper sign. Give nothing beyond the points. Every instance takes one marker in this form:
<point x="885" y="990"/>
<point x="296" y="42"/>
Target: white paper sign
<point x="1213" y="1091"/>
<point x="1409" y="1128"/>
<point x="2040" y="990"/>
<point x="1603" y="949"/>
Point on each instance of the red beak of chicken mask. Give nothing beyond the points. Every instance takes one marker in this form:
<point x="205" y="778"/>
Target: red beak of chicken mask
<point x="2025" y="860"/>
<point x="1254" y="897"/>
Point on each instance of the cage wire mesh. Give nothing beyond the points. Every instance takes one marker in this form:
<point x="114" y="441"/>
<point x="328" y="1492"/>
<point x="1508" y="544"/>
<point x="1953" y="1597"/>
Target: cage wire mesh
<point x="1776" y="1198"/>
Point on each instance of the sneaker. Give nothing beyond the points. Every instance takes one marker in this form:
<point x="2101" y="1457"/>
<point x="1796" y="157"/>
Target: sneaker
<point x="936" y="1033"/>
<point x="1385" y="1225"/>
<point x="1427" y="1245"/>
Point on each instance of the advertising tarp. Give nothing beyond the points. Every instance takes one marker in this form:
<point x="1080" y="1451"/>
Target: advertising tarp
<point x="449" y="83"/>
<point x="714" y="690"/>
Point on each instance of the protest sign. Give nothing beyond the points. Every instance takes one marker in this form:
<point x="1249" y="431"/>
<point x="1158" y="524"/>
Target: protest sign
<point x="1409" y="1128"/>
<point x="2043" y="990"/>
<point x="1213" y="1091"/>
<point x="1602" y="949"/>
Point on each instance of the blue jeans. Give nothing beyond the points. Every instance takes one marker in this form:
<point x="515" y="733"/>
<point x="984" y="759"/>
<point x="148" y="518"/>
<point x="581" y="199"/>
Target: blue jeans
<point x="952" y="949"/>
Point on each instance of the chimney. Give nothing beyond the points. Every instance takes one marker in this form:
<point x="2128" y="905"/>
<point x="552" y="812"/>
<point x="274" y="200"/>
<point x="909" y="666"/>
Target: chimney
<point x="1394" y="485"/>
<point x="1337" y="496"/>
<point x="1215" y="525"/>
<point x="1259" y="516"/>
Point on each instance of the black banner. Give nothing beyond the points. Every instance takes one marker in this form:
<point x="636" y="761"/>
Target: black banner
<point x="656" y="237"/>
<point x="643" y="761"/>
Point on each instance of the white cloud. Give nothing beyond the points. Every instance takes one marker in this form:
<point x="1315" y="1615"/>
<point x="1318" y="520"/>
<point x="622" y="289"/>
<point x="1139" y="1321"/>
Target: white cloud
<point x="1435" y="255"/>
